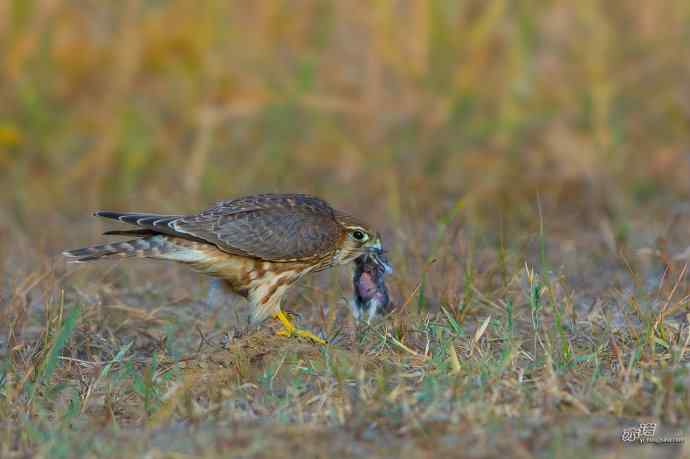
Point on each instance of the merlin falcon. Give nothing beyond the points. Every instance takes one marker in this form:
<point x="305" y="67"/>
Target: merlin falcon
<point x="258" y="245"/>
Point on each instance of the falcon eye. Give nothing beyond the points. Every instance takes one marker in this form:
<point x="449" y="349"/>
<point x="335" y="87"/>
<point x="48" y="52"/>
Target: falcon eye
<point x="359" y="235"/>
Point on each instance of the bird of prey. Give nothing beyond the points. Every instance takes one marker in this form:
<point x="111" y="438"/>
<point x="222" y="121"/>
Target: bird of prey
<point x="258" y="245"/>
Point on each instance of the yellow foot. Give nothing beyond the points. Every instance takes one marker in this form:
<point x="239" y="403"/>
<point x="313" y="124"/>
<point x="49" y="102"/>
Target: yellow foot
<point x="291" y="330"/>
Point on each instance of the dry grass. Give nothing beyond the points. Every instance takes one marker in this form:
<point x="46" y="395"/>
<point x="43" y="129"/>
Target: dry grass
<point x="526" y="162"/>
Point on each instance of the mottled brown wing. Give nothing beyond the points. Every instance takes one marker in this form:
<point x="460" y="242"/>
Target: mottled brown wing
<point x="270" y="227"/>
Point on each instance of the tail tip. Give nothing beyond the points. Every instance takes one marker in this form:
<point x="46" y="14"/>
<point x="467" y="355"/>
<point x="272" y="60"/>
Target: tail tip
<point x="72" y="258"/>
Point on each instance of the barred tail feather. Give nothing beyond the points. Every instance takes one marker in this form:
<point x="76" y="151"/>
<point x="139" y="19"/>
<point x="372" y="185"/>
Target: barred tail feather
<point x="152" y="247"/>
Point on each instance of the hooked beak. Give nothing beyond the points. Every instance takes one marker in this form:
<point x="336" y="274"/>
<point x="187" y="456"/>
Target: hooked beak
<point x="377" y="254"/>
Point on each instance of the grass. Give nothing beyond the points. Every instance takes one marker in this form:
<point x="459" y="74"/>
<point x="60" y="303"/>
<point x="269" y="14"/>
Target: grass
<point x="526" y="163"/>
<point x="525" y="367"/>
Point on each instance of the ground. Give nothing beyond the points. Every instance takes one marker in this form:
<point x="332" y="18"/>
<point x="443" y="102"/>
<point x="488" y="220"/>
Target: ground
<point x="133" y="358"/>
<point x="526" y="164"/>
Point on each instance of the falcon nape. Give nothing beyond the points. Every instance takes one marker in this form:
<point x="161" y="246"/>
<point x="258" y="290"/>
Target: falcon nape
<point x="258" y="245"/>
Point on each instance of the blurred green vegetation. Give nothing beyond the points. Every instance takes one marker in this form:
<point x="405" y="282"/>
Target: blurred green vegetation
<point x="170" y="104"/>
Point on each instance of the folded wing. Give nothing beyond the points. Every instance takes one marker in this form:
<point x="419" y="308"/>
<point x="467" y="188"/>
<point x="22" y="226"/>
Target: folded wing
<point x="268" y="227"/>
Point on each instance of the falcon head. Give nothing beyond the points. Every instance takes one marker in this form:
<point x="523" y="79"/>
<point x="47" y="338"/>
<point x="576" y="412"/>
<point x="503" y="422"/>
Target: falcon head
<point x="359" y="239"/>
<point x="363" y="245"/>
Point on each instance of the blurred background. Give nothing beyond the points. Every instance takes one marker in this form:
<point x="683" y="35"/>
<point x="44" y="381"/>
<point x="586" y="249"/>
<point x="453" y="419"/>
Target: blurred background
<point x="413" y="114"/>
<point x="539" y="151"/>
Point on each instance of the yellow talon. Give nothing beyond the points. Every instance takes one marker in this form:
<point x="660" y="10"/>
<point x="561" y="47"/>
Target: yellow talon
<point x="291" y="330"/>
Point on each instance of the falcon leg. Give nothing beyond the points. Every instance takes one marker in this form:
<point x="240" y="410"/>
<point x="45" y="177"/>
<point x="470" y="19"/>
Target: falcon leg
<point x="291" y="330"/>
